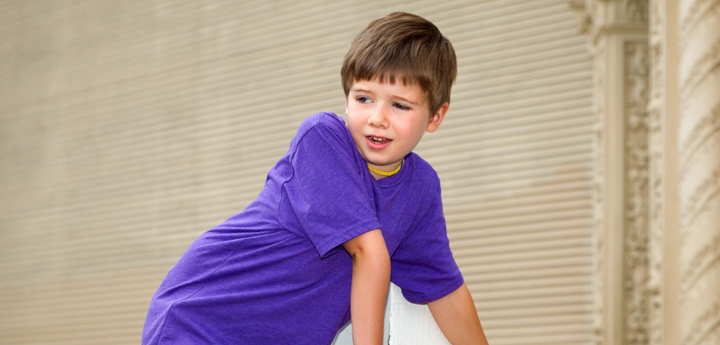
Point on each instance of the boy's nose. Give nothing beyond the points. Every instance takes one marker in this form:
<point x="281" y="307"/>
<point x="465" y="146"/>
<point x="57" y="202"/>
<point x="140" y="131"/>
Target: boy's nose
<point x="378" y="118"/>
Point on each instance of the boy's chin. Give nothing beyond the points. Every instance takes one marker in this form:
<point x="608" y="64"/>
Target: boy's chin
<point x="383" y="166"/>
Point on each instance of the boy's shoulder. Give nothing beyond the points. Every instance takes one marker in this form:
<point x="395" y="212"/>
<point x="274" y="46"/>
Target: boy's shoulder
<point x="323" y="121"/>
<point x="424" y="171"/>
<point x="328" y="126"/>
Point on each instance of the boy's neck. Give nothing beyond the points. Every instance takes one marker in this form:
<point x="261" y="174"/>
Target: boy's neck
<point x="380" y="174"/>
<point x="376" y="176"/>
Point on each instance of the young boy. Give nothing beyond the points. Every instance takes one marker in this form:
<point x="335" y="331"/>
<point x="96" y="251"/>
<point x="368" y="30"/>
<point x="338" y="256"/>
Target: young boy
<point x="347" y="210"/>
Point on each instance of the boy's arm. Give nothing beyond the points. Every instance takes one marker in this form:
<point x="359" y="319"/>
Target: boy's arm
<point x="370" y="282"/>
<point x="457" y="318"/>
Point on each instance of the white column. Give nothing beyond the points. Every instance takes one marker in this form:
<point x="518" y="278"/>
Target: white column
<point x="699" y="155"/>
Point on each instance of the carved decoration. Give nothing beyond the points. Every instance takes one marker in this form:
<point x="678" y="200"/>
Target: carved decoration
<point x="656" y="171"/>
<point x="582" y="18"/>
<point x="636" y="270"/>
<point x="691" y="18"/>
<point x="599" y="190"/>
<point x="713" y="338"/>
<point x="700" y="261"/>
<point x="701" y="284"/>
<point x="600" y="19"/>
<point x="705" y="63"/>
<point x="705" y="190"/>
<point x="634" y="11"/>
<point x="709" y="124"/>
<point x="694" y="13"/>
<point x="699" y="171"/>
<point x="704" y="325"/>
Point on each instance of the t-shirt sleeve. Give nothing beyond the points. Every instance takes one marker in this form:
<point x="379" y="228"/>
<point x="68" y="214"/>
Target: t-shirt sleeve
<point x="423" y="265"/>
<point x="326" y="191"/>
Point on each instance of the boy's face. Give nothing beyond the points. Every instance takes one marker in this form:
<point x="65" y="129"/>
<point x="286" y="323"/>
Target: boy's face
<point x="387" y="121"/>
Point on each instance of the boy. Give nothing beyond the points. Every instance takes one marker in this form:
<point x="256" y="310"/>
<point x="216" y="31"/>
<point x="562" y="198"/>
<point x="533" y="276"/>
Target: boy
<point x="338" y="211"/>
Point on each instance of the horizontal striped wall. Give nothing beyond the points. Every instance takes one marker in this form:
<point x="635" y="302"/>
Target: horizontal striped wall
<point x="129" y="128"/>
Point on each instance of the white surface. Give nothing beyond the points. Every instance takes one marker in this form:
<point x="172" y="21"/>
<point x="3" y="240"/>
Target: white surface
<point x="405" y="323"/>
<point x="411" y="323"/>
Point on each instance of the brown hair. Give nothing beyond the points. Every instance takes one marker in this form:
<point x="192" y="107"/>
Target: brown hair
<point x="407" y="47"/>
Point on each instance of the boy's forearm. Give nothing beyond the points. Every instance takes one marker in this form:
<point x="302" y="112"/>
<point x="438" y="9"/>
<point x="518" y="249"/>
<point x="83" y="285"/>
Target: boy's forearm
<point x="370" y="281"/>
<point x="457" y="318"/>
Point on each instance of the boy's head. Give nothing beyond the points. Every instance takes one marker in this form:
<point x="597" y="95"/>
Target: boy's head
<point x="407" y="48"/>
<point x="396" y="77"/>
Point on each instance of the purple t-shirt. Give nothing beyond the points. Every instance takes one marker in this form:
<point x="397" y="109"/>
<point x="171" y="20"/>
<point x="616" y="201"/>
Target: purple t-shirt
<point x="276" y="273"/>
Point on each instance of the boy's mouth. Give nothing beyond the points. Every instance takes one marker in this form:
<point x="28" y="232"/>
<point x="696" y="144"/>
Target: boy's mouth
<point x="378" y="143"/>
<point x="378" y="140"/>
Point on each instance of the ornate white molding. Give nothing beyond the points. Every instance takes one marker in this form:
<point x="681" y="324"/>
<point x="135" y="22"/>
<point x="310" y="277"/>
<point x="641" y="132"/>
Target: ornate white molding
<point x="704" y="325"/>
<point x="635" y="11"/>
<point x="699" y="171"/>
<point x="626" y="287"/>
<point x="690" y="16"/>
<point x="636" y="261"/>
<point x="601" y="17"/>
<point x="707" y="188"/>
<point x="709" y="124"/>
<point x="599" y="194"/>
<point x="703" y="38"/>
<point x="656" y="170"/>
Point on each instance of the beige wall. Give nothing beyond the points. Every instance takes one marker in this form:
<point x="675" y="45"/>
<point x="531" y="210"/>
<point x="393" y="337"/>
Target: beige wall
<point x="128" y="128"/>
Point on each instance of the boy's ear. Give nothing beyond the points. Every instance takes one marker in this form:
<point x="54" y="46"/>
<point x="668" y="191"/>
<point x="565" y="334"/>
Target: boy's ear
<point x="438" y="117"/>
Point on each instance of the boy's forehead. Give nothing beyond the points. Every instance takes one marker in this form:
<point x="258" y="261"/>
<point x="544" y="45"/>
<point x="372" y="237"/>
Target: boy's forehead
<point x="391" y="78"/>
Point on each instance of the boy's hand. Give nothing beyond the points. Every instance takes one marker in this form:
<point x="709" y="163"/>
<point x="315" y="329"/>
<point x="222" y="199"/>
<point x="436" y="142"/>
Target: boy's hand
<point x="370" y="282"/>
<point x="457" y="318"/>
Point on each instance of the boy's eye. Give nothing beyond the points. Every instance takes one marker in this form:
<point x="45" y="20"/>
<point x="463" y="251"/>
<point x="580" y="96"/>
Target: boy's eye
<point x="401" y="106"/>
<point x="363" y="99"/>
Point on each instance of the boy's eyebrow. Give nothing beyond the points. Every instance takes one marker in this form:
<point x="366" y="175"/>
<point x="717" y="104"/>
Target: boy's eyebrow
<point x="406" y="100"/>
<point x="401" y="98"/>
<point x="360" y="90"/>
